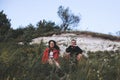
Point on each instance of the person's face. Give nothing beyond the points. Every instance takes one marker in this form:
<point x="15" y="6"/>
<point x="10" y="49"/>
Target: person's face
<point x="73" y="43"/>
<point x="52" y="44"/>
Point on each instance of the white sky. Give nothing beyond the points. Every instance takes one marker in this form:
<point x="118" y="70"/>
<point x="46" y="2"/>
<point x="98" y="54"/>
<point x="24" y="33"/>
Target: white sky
<point x="96" y="15"/>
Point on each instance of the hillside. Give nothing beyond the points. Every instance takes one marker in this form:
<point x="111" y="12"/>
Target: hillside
<point x="87" y="42"/>
<point x="23" y="62"/>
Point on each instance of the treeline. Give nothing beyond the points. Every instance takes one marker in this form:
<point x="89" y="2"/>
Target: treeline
<point x="25" y="34"/>
<point x="42" y="28"/>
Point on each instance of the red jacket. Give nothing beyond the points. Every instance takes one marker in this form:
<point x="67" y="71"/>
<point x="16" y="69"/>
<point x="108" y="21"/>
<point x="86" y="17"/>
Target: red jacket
<point x="45" y="56"/>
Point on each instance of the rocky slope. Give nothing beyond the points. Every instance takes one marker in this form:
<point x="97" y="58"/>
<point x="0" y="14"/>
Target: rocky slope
<point x="85" y="42"/>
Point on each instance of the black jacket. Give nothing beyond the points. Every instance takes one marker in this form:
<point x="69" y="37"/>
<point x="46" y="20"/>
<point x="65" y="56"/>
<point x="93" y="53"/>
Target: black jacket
<point x="74" y="50"/>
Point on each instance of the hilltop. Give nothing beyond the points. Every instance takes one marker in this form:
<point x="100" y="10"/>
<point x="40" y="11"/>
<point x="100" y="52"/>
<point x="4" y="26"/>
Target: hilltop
<point x="88" y="41"/>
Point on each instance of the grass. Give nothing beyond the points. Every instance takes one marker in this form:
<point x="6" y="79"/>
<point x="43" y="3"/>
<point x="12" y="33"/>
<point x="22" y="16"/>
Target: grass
<point x="95" y="34"/>
<point x="24" y="63"/>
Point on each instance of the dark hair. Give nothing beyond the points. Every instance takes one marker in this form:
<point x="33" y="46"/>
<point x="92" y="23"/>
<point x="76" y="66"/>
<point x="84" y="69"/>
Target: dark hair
<point x="55" y="45"/>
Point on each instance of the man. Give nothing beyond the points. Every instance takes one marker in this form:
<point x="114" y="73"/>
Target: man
<point x="73" y="51"/>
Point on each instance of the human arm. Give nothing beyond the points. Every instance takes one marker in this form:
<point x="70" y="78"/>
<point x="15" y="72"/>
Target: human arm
<point x="79" y="56"/>
<point x="45" y="56"/>
<point x="79" y="53"/>
<point x="68" y="51"/>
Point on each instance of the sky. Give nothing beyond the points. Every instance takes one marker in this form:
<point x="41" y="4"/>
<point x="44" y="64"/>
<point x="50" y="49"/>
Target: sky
<point x="101" y="16"/>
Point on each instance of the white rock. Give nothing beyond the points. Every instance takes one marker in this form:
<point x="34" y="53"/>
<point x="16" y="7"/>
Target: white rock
<point x="84" y="42"/>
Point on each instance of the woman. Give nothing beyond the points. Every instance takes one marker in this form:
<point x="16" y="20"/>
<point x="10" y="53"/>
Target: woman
<point x="51" y="54"/>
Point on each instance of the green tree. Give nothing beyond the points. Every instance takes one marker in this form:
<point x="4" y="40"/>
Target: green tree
<point x="18" y="34"/>
<point x="44" y="27"/>
<point x="4" y="25"/>
<point x="10" y="35"/>
<point x="68" y="18"/>
<point x="28" y="34"/>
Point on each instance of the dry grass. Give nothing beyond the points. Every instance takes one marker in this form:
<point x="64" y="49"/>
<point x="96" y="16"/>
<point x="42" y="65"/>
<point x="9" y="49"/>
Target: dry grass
<point x="95" y="34"/>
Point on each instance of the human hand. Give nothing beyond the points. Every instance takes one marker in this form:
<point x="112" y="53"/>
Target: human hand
<point x="79" y="56"/>
<point x="67" y="55"/>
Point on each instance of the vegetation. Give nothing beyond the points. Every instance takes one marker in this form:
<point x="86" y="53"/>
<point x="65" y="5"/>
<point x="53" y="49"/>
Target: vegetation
<point x="4" y="26"/>
<point x="95" y="34"/>
<point x="68" y="18"/>
<point x="20" y="62"/>
<point x="44" y="28"/>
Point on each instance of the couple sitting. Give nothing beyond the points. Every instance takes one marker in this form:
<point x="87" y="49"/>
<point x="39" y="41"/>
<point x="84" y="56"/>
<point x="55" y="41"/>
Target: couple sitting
<point x="51" y="54"/>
